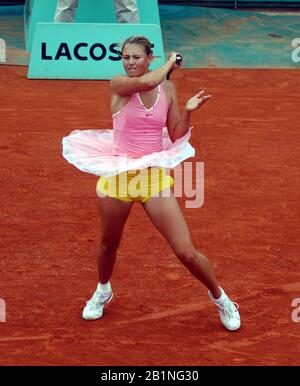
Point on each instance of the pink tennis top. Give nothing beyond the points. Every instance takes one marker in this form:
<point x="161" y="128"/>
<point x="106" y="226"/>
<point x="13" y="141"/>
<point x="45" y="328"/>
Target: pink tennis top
<point x="137" y="130"/>
<point x="139" y="140"/>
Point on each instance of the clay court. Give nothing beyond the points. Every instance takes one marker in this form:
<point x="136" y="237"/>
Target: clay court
<point x="248" y="138"/>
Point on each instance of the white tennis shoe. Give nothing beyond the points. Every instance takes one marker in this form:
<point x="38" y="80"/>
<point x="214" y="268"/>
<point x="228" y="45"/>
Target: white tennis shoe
<point x="94" y="307"/>
<point x="228" y="311"/>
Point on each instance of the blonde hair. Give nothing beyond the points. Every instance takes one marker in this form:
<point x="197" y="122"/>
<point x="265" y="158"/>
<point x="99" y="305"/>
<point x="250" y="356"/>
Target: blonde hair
<point x="140" y="41"/>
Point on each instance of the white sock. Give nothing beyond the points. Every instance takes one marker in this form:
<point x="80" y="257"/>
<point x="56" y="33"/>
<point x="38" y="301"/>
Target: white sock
<point x="221" y="298"/>
<point x="104" y="287"/>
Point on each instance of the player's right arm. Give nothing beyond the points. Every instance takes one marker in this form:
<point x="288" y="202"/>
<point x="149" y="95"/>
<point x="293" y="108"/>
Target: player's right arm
<point x="123" y="85"/>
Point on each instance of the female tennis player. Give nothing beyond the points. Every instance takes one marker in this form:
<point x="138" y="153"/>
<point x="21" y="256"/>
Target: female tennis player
<point x="149" y="136"/>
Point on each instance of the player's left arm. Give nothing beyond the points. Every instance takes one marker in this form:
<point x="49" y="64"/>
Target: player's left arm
<point x="178" y="124"/>
<point x="173" y="112"/>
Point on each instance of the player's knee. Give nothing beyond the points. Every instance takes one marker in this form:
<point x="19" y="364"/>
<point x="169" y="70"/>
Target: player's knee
<point x="109" y="245"/>
<point x="186" y="253"/>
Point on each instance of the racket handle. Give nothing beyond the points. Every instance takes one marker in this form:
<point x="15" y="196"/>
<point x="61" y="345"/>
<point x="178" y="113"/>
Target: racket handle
<point x="178" y="62"/>
<point x="178" y="59"/>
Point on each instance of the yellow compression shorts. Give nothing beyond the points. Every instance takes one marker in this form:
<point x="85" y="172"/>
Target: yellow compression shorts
<point x="136" y="185"/>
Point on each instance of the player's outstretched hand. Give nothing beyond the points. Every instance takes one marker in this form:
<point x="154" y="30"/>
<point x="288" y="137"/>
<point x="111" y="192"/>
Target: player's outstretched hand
<point x="196" y="101"/>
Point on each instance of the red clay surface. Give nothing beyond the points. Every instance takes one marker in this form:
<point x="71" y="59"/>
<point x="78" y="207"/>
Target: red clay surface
<point x="248" y="137"/>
